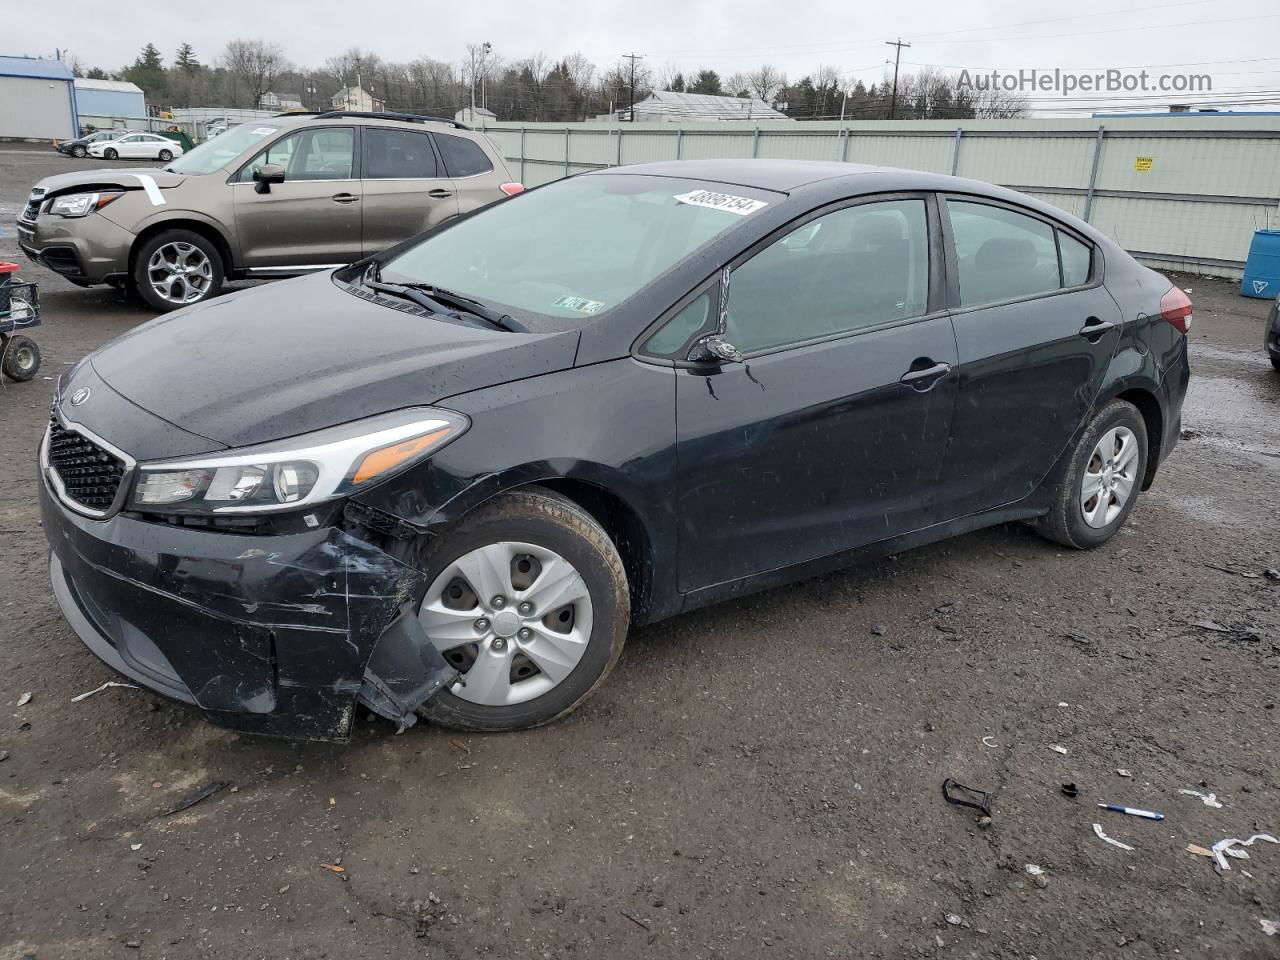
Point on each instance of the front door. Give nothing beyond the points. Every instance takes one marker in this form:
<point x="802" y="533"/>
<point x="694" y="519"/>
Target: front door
<point x="405" y="189"/>
<point x="311" y="220"/>
<point x="830" y="434"/>
<point x="1035" y="331"/>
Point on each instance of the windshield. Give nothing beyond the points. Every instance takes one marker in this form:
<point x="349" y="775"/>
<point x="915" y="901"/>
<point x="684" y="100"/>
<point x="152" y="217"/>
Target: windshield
<point x="578" y="247"/>
<point x="221" y="150"/>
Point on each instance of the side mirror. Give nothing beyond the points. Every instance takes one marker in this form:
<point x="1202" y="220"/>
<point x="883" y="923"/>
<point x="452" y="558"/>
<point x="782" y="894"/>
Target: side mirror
<point x="715" y="349"/>
<point x="266" y="175"/>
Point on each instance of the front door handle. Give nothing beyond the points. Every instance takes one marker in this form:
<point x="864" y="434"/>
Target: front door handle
<point x="1094" y="328"/>
<point x="439" y="194"/>
<point x="925" y="377"/>
<point x="345" y="198"/>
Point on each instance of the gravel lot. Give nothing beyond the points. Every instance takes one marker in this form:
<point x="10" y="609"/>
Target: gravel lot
<point x="757" y="779"/>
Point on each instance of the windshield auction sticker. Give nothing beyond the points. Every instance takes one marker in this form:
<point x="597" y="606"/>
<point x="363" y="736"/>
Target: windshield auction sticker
<point x="721" y="201"/>
<point x="579" y="304"/>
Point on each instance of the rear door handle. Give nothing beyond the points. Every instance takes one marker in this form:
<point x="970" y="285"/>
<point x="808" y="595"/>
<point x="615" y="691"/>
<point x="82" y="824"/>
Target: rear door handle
<point x="1093" y="327"/>
<point x="925" y="378"/>
<point x="345" y="198"/>
<point x="439" y="194"/>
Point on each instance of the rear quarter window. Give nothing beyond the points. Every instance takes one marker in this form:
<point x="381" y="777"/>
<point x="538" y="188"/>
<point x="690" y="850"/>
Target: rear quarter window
<point x="462" y="157"/>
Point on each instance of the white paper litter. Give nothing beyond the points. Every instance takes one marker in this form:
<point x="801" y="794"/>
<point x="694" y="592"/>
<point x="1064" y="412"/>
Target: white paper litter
<point x="1209" y="799"/>
<point x="24" y="699"/>
<point x="1035" y="869"/>
<point x="1270" y="927"/>
<point x="1057" y="749"/>
<point x="989" y="742"/>
<point x="1121" y="771"/>
<point x="109" y="683"/>
<point x="1097" y="828"/>
<point x="1225" y="846"/>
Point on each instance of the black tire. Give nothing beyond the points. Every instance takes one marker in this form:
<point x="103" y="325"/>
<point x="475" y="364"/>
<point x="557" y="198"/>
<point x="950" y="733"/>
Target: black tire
<point x="166" y="156"/>
<point x="540" y="517"/>
<point x="110" y="153"/>
<point x="1065" y="522"/>
<point x="21" y="358"/>
<point x="78" y="152"/>
<point x="1275" y="362"/>
<point x="142" y="285"/>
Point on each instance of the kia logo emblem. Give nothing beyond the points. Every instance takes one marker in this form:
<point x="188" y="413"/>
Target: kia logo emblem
<point x="80" y="396"/>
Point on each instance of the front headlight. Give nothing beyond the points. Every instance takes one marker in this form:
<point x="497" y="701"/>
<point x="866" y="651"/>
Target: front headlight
<point x="82" y="204"/>
<point x="298" y="472"/>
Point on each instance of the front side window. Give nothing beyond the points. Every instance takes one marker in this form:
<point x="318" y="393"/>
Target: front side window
<point x="856" y="267"/>
<point x="462" y="158"/>
<point x="1002" y="255"/>
<point x="325" y="153"/>
<point x="577" y="248"/>
<point x="397" y="155"/>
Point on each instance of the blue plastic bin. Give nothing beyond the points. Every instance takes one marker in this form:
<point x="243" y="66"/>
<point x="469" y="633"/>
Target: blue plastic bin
<point x="1262" y="269"/>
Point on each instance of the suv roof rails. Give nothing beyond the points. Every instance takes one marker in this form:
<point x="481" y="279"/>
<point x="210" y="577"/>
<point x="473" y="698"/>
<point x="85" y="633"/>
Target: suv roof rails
<point x="404" y="117"/>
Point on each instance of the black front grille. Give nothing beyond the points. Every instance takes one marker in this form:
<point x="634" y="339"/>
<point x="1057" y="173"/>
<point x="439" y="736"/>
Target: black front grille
<point x="90" y="475"/>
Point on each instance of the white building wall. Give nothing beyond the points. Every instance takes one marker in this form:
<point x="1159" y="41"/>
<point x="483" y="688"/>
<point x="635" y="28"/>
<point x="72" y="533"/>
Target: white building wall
<point x="34" y="108"/>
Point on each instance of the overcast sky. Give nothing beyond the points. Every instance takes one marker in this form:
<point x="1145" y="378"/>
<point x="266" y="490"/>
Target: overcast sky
<point x="1219" y="37"/>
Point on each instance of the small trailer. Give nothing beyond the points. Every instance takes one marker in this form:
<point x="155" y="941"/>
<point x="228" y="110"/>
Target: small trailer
<point x="19" y="309"/>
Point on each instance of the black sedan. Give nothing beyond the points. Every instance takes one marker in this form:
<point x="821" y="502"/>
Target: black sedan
<point x="447" y="480"/>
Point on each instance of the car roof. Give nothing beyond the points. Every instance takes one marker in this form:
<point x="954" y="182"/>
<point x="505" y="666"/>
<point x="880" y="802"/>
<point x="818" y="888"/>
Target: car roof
<point x="780" y="175"/>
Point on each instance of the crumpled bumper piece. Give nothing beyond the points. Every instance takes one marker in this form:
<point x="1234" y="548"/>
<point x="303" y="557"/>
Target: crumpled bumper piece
<point x="266" y="634"/>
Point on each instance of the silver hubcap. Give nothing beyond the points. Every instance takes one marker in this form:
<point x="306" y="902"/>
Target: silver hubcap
<point x="513" y="618"/>
<point x="25" y="358"/>
<point x="179" y="273"/>
<point x="1109" y="477"/>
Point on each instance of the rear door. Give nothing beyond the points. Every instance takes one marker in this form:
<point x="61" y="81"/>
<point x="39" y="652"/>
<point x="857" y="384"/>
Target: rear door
<point x="1035" y="330"/>
<point x="405" y="187"/>
<point x="131" y="146"/>
<point x="475" y="178"/>
<point x="311" y="220"/>
<point x="830" y="434"/>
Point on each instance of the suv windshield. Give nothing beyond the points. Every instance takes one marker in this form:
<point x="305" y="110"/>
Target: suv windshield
<point x="221" y="150"/>
<point x="577" y="247"/>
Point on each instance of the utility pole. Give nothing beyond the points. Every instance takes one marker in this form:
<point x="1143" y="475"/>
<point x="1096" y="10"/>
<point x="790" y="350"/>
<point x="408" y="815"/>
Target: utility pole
<point x="893" y="100"/>
<point x="633" y="57"/>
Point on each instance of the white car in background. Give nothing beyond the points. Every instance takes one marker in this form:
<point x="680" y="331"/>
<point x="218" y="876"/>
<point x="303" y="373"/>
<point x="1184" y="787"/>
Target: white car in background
<point x="137" y="146"/>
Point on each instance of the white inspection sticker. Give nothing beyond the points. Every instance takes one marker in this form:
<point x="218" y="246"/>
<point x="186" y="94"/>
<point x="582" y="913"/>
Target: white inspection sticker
<point x="263" y="131"/>
<point x="149" y="187"/>
<point x="721" y="201"/>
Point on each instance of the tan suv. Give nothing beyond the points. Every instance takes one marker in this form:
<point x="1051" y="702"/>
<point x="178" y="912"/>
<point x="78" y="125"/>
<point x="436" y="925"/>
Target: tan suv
<point x="271" y="198"/>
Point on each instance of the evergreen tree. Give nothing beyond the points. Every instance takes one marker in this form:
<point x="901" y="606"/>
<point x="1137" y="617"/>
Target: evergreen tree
<point x="186" y="59"/>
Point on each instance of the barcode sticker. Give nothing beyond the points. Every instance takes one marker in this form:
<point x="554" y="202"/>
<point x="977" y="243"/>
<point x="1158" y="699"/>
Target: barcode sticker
<point x="742" y="206"/>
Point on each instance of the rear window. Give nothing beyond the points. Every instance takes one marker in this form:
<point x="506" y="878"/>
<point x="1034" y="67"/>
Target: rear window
<point x="462" y="158"/>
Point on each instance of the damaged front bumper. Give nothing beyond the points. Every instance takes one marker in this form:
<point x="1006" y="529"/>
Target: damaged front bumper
<point x="276" y="635"/>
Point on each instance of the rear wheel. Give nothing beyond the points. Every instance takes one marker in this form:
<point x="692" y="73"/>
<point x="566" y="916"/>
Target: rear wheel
<point x="177" y="268"/>
<point x="21" y="358"/>
<point x="529" y="601"/>
<point x="110" y="153"/>
<point x="1096" y="494"/>
<point x="166" y="156"/>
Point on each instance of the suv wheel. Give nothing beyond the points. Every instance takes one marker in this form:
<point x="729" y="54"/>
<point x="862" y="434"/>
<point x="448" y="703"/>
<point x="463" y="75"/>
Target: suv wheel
<point x="177" y="268"/>
<point x="1095" y="496"/>
<point x="529" y="601"/>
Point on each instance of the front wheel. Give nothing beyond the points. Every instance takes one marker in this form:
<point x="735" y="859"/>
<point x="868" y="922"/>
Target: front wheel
<point x="1096" y="494"/>
<point x="21" y="358"/>
<point x="110" y="153"/>
<point x="177" y="268"/>
<point x="78" y="152"/>
<point x="166" y="156"/>
<point x="529" y="601"/>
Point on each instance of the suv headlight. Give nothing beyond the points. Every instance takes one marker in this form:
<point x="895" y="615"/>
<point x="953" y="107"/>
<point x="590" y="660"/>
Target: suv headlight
<point x="82" y="204"/>
<point x="298" y="472"/>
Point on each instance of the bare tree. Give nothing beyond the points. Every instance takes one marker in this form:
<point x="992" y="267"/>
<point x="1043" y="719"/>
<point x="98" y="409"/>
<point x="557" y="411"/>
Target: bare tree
<point x="999" y="104"/>
<point x="252" y="66"/>
<point x="766" y="81"/>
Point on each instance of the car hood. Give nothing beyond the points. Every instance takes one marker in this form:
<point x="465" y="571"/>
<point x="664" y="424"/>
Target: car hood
<point x="126" y="179"/>
<point x="299" y="355"/>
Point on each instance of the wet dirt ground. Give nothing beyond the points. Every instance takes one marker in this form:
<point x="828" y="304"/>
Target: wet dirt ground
<point x="759" y="779"/>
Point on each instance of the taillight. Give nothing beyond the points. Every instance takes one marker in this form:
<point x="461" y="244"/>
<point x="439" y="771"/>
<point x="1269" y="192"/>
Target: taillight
<point x="511" y="189"/>
<point x="1175" y="306"/>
